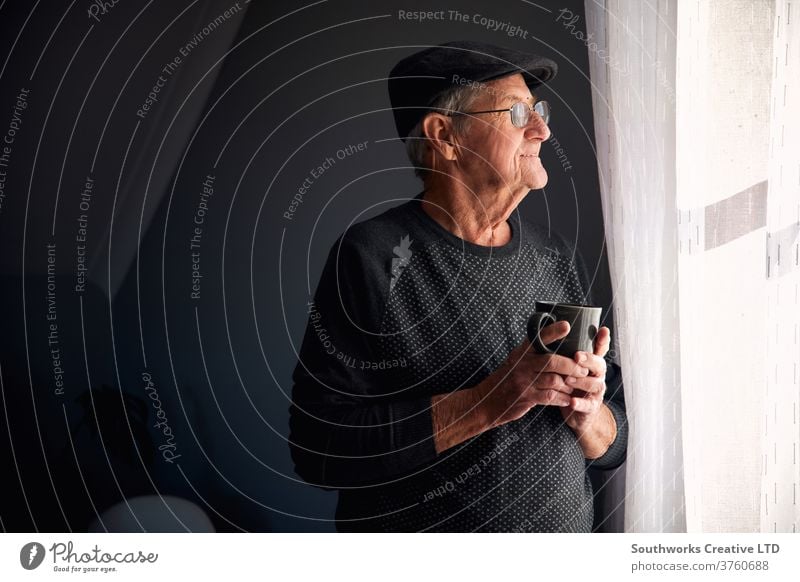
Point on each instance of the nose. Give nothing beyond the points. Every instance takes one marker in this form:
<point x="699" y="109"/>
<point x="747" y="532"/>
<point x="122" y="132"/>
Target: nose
<point x="537" y="128"/>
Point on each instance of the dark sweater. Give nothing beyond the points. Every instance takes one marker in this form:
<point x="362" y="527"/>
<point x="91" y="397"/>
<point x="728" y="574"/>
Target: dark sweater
<point x="405" y="310"/>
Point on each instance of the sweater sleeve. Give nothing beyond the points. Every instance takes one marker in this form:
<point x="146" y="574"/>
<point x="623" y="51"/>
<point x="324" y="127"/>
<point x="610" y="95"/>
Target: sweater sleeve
<point x="346" y="429"/>
<point x="615" y="400"/>
<point x="614" y="397"/>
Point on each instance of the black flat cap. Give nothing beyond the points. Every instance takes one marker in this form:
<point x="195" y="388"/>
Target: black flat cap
<point x="417" y="80"/>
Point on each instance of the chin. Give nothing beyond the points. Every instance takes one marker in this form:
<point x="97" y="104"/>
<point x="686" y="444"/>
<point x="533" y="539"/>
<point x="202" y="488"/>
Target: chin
<point x="538" y="183"/>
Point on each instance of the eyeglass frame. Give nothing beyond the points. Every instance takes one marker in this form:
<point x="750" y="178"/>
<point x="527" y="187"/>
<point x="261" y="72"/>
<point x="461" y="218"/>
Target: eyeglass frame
<point x="531" y="108"/>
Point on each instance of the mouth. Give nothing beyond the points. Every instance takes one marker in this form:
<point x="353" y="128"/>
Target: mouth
<point x="528" y="156"/>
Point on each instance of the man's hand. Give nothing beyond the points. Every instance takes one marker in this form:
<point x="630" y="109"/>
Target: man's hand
<point x="527" y="378"/>
<point x="587" y="416"/>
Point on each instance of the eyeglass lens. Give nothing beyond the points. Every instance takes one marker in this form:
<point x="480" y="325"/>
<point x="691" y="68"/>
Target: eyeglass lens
<point x="521" y="113"/>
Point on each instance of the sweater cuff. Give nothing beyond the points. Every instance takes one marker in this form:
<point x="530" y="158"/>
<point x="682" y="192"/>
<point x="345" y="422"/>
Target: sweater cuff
<point x="616" y="453"/>
<point x="411" y="435"/>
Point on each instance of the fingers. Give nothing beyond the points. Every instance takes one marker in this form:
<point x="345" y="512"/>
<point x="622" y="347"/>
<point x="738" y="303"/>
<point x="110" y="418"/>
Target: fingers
<point x="552" y="398"/>
<point x="602" y="341"/>
<point x="588" y="405"/>
<point x="589" y="384"/>
<point x="594" y="363"/>
<point x="555" y="382"/>
<point x="554" y="364"/>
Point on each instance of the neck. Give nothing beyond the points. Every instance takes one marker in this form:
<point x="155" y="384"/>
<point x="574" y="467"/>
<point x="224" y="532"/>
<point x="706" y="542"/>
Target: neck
<point x="478" y="216"/>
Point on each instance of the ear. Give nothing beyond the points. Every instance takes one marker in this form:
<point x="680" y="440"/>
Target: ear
<point x="439" y="131"/>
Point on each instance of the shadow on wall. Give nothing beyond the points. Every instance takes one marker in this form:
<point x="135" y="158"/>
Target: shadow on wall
<point x="74" y="452"/>
<point x="70" y="452"/>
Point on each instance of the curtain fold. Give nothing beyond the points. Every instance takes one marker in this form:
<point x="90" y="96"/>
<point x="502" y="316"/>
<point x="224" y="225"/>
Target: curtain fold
<point x="697" y="122"/>
<point x="634" y="116"/>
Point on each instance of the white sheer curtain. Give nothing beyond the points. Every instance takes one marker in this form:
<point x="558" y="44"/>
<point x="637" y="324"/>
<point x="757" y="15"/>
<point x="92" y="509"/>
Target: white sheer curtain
<point x="696" y="118"/>
<point x="634" y="128"/>
<point x="780" y="511"/>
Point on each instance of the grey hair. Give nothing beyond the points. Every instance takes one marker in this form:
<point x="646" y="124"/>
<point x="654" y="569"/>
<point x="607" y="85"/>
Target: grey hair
<point x="418" y="147"/>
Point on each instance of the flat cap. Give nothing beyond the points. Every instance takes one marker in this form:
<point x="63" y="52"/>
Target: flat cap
<point x="417" y="80"/>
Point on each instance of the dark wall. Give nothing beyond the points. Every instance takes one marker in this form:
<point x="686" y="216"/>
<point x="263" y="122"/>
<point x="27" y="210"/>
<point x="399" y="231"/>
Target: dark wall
<point x="251" y="110"/>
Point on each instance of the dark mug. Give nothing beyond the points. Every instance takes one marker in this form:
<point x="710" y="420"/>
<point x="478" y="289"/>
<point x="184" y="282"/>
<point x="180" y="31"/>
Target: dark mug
<point x="584" y="321"/>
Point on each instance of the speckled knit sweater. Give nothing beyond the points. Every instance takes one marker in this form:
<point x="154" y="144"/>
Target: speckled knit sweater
<point x="405" y="310"/>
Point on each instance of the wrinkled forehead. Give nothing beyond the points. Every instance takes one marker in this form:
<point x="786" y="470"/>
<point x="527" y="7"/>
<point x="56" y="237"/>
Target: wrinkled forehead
<point x="506" y="91"/>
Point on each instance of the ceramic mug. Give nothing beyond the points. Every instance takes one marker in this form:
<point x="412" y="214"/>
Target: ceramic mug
<point x="584" y="321"/>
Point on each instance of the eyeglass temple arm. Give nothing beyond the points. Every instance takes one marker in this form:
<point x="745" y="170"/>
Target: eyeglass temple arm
<point x="487" y="111"/>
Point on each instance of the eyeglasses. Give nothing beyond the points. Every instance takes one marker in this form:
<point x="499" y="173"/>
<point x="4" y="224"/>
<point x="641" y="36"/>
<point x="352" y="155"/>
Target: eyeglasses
<point x="520" y="112"/>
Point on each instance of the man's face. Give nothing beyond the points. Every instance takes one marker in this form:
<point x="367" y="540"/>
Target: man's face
<point x="503" y="156"/>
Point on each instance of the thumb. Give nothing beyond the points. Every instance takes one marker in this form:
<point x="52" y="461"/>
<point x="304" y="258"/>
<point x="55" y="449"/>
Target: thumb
<point x="602" y="341"/>
<point x="554" y="331"/>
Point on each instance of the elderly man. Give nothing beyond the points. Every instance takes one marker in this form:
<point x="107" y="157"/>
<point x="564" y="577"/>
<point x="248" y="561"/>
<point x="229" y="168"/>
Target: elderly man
<point x="417" y="395"/>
